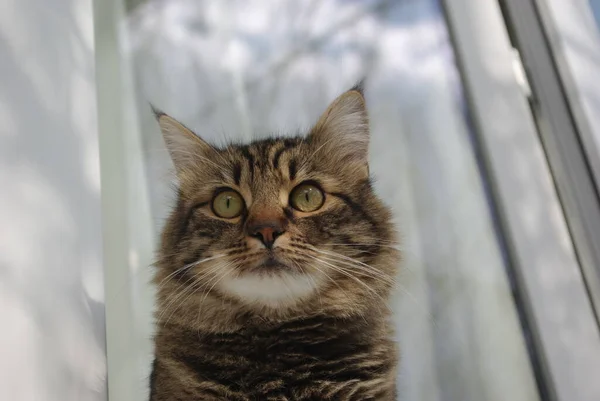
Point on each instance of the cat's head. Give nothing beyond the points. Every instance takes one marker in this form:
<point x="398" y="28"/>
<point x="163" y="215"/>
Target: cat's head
<point x="280" y="222"/>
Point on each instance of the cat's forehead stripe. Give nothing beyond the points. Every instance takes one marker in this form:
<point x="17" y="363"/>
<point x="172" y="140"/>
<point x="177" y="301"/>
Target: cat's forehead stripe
<point x="277" y="156"/>
<point x="266" y="155"/>
<point x="250" y="158"/>
<point x="292" y="169"/>
<point x="288" y="144"/>
<point x="237" y="173"/>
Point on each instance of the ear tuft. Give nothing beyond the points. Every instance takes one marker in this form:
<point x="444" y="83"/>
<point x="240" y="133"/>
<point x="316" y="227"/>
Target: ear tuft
<point x="342" y="132"/>
<point x="360" y="86"/>
<point x="157" y="112"/>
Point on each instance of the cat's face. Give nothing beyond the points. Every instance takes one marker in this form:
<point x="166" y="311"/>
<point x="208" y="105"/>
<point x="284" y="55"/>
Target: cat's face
<point x="280" y="221"/>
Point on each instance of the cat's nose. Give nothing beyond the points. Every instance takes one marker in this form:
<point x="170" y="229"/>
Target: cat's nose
<point x="266" y="231"/>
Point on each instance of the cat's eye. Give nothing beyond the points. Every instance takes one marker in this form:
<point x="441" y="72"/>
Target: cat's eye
<point x="307" y="198"/>
<point x="228" y="204"/>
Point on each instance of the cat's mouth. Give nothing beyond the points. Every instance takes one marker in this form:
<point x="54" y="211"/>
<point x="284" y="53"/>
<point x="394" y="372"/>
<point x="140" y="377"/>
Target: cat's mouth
<point x="272" y="263"/>
<point x="269" y="264"/>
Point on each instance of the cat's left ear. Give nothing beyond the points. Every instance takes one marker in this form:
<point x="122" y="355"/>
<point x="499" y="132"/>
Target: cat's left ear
<point x="341" y="134"/>
<point x="188" y="151"/>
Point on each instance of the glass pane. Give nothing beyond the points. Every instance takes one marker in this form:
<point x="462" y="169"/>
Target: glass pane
<point x="240" y="70"/>
<point x="595" y="5"/>
<point x="574" y="40"/>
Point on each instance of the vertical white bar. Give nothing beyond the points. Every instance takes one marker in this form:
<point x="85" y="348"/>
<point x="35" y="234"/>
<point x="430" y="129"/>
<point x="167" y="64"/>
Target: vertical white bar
<point x="127" y="223"/>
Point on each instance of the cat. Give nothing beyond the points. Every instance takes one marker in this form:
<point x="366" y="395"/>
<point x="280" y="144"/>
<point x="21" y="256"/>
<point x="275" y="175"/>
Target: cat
<point x="275" y="268"/>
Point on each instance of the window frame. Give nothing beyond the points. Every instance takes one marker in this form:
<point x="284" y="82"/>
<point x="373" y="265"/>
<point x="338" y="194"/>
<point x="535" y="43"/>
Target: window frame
<point x="542" y="259"/>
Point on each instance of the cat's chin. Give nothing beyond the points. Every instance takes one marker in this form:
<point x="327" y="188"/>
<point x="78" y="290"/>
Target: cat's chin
<point x="271" y="288"/>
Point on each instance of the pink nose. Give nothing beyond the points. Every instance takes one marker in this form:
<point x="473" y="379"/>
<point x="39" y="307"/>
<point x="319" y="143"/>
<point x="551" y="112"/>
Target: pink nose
<point x="266" y="232"/>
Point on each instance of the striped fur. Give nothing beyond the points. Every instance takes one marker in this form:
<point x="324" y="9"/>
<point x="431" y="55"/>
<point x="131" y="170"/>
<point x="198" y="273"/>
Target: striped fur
<point x="313" y="326"/>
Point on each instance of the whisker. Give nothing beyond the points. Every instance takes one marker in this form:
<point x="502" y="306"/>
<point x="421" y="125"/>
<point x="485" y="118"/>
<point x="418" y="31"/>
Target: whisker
<point x="359" y="244"/>
<point x="344" y="272"/>
<point x="120" y="290"/>
<point x="224" y="252"/>
<point x="206" y="293"/>
<point x="195" y="287"/>
<point x="362" y="271"/>
<point x="389" y="280"/>
<point x="352" y="262"/>
<point x="179" y="292"/>
<point x="309" y="158"/>
<point x="187" y="267"/>
<point x="316" y="289"/>
<point x="190" y="291"/>
<point x="186" y="288"/>
<point x="332" y="280"/>
<point x="172" y="298"/>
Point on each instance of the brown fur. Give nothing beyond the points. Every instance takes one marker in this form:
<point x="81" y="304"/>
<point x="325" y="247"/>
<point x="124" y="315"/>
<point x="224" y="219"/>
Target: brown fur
<point x="330" y="337"/>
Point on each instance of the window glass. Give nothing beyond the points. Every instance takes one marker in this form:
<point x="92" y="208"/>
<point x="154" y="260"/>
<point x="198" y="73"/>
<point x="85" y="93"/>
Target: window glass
<point x="239" y="70"/>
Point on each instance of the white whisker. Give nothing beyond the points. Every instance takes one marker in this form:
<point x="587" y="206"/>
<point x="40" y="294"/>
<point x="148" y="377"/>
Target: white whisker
<point x="309" y="158"/>
<point x="186" y="267"/>
<point x="187" y="288"/>
<point x="353" y="262"/>
<point x="223" y="275"/>
<point x="345" y="272"/>
<point x="379" y="275"/>
<point x="390" y="245"/>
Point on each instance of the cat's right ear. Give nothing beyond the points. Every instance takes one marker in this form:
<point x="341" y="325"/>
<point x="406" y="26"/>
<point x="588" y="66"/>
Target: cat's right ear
<point x="186" y="148"/>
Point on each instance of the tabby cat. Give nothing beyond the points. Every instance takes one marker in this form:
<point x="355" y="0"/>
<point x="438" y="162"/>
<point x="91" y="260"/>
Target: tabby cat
<point x="275" y="268"/>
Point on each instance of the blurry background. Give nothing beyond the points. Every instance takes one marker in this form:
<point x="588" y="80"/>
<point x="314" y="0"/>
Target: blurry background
<point x="485" y="119"/>
<point x="242" y="70"/>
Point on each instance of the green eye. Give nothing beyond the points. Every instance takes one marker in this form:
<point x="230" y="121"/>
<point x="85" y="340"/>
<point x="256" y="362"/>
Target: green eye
<point x="228" y="204"/>
<point x="307" y="198"/>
